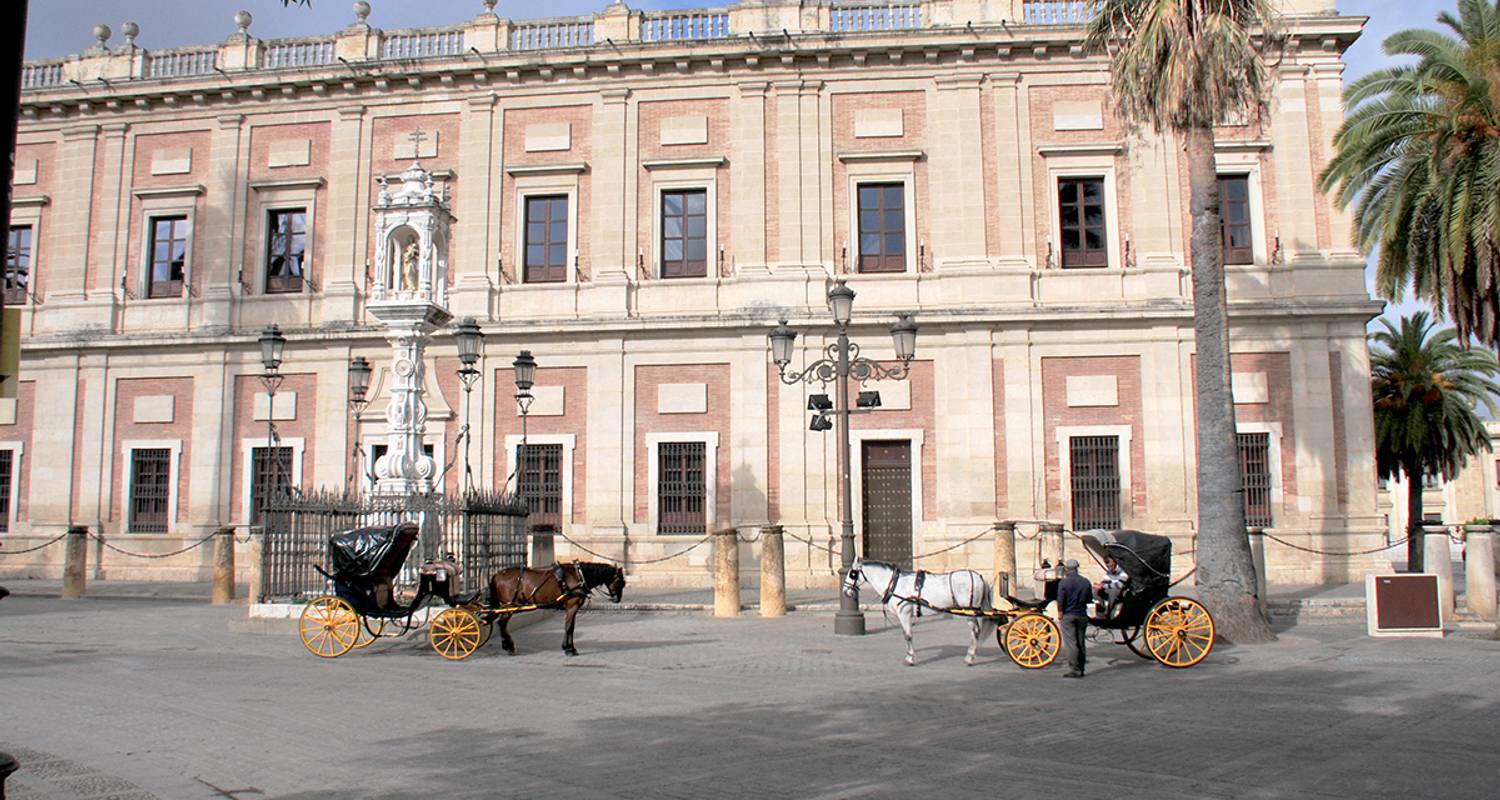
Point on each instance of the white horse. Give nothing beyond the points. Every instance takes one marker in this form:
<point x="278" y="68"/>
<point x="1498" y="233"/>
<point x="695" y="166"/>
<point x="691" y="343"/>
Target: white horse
<point x="903" y="594"/>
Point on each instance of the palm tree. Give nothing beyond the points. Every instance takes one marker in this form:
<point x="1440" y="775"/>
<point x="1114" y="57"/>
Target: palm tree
<point x="1183" y="66"/>
<point x="1426" y="387"/>
<point x="1419" y="157"/>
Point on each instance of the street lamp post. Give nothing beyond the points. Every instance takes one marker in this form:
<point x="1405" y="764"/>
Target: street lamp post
<point x="525" y="368"/>
<point x="359" y="386"/>
<point x="272" y="345"/>
<point x="842" y="361"/>
<point x="470" y="341"/>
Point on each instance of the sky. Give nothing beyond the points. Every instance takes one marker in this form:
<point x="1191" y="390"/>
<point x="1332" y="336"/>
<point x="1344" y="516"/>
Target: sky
<point x="62" y="27"/>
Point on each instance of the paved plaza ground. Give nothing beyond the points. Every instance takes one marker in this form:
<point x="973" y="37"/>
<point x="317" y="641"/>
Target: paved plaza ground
<point x="135" y="699"/>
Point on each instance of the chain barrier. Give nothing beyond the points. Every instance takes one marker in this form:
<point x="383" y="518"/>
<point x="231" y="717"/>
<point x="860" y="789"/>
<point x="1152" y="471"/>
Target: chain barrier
<point x="96" y="537"/>
<point x="950" y="548"/>
<point x="1346" y="554"/>
<point x="634" y="563"/>
<point x="41" y="546"/>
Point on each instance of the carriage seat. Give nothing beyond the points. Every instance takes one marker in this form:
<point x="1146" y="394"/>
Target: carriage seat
<point x="1034" y="605"/>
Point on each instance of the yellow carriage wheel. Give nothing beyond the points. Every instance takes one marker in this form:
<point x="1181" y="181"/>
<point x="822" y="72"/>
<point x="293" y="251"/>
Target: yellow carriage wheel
<point x="371" y="630"/>
<point x="329" y="627"/>
<point x="1179" y="632"/>
<point x="1135" y="639"/>
<point x="1032" y="641"/>
<point x="455" y="633"/>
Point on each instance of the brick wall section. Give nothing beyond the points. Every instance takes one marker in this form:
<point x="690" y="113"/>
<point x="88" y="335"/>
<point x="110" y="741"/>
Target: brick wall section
<point x="574" y="420"/>
<point x="246" y="426"/>
<point x="141" y="178"/>
<point x="913" y="107"/>
<point x="1043" y="98"/>
<point x="647" y="421"/>
<point x="581" y="151"/>
<point x="126" y="429"/>
<point x="650" y="119"/>
<point x="1056" y="413"/>
<point x="920" y="416"/>
<point x="20" y="431"/>
<point x="259" y="169"/>
<point x="997" y="383"/>
<point x="1340" y="440"/>
<point x="1278" y="370"/>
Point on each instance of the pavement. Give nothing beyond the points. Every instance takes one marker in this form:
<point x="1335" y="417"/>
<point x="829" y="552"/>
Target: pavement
<point x="134" y="699"/>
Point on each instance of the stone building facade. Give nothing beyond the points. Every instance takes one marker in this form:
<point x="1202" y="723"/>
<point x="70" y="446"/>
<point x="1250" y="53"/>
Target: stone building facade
<point x="639" y="197"/>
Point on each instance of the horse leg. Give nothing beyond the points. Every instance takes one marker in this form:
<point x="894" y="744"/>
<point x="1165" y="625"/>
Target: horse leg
<point x="505" y="641"/>
<point x="904" y="615"/>
<point x="572" y="612"/>
<point x="975" y="626"/>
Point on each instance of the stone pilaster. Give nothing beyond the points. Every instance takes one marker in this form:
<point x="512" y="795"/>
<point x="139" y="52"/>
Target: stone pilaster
<point x="610" y="228"/>
<point x="747" y="167"/>
<point x="348" y="201"/>
<point x="475" y="248"/>
<point x="956" y="183"/>
<point x="218" y="260"/>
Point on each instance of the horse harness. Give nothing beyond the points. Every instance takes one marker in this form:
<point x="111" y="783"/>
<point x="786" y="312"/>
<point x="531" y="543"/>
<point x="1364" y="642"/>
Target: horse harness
<point x="560" y="574"/>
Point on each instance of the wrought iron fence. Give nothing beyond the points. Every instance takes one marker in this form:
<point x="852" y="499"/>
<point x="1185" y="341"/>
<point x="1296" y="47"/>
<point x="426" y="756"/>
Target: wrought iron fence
<point x="482" y="532"/>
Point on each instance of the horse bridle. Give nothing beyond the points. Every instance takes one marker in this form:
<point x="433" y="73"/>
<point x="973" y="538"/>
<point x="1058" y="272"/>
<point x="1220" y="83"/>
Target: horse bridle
<point x="855" y="576"/>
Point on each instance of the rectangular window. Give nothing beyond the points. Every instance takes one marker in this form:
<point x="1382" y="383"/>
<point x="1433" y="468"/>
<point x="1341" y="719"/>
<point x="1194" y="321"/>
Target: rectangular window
<point x="150" y="489"/>
<point x="169" y="239"/>
<point x="1255" y="475"/>
<point x="684" y="234"/>
<point x="882" y="227"/>
<point x="7" y="473"/>
<point x="1080" y="213"/>
<point x="1234" y="218"/>
<point x="286" y="250"/>
<point x="18" y="265"/>
<point x="541" y="483"/>
<point x="681" y="493"/>
<point x="546" y="240"/>
<point x="1095" y="480"/>
<point x="270" y="475"/>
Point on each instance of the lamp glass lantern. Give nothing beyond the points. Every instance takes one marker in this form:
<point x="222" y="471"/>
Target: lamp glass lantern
<point x="359" y="378"/>
<point x="782" y="340"/>
<point x="525" y="367"/>
<point x="904" y="336"/>
<point x="272" y="343"/>
<point x="470" y="339"/>
<point x="841" y="301"/>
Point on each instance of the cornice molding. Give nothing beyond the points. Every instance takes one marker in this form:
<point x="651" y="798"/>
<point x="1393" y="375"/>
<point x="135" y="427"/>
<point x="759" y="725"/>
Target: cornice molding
<point x="170" y="191"/>
<point x="685" y="163"/>
<point x="315" y="182"/>
<point x="882" y="155"/>
<point x="546" y="169"/>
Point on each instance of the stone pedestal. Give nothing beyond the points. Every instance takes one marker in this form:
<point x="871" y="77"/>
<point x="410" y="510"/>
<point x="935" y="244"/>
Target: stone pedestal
<point x="772" y="572"/>
<point x="223" y="591"/>
<point x="1437" y="560"/>
<point x="1479" y="573"/>
<point x="75" y="563"/>
<point x="1005" y="557"/>
<point x="726" y="573"/>
<point x="1258" y="555"/>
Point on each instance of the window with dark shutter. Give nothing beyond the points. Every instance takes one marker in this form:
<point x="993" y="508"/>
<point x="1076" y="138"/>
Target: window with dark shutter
<point x="150" y="490"/>
<point x="1234" y="219"/>
<point x="7" y="474"/>
<point x="18" y="265"/>
<point x="882" y="227"/>
<point x="1255" y="478"/>
<point x="546" y="245"/>
<point x="1094" y="466"/>
<point x="270" y="475"/>
<point x="684" y="234"/>
<point x="681" y="493"/>
<point x="286" y="249"/>
<point x="541" y="483"/>
<point x="169" y="240"/>
<point x="1080" y="208"/>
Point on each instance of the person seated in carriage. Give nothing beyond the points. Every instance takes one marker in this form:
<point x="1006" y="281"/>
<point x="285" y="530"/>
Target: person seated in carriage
<point x="1109" y="588"/>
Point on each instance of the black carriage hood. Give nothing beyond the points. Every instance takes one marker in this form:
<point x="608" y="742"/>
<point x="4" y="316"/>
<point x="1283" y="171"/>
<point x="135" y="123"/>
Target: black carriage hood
<point x="1145" y="557"/>
<point x="361" y="552"/>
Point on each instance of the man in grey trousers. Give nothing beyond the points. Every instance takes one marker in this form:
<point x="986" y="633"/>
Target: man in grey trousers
<point x="1074" y="594"/>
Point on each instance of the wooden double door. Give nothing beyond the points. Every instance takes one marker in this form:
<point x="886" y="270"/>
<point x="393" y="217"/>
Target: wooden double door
<point x="885" y="481"/>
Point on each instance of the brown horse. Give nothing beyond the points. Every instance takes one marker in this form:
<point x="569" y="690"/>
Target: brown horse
<point x="564" y="586"/>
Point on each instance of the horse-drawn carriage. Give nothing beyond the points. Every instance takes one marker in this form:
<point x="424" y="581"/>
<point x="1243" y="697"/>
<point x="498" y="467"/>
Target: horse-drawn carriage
<point x="364" y="601"/>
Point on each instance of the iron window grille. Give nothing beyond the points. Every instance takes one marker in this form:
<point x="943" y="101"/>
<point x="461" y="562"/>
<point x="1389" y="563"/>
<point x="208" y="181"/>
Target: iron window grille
<point x="286" y="250"/>
<point x="18" y="265"/>
<point x="150" y="489"/>
<point x="541" y="483"/>
<point x="882" y="227"/>
<point x="681" y="493"/>
<point x="1255" y="477"/>
<point x="7" y="471"/>
<point x="169" y="238"/>
<point x="546" y="240"/>
<point x="1234" y="219"/>
<point x="1081" y="218"/>
<point x="684" y="234"/>
<point x="270" y="476"/>
<point x="1094" y="464"/>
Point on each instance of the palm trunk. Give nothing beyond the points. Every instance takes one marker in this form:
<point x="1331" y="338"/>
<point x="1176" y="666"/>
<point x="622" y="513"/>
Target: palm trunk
<point x="1414" y="560"/>
<point x="1226" y="570"/>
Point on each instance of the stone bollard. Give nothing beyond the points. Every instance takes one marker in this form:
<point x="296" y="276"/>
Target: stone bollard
<point x="75" y="562"/>
<point x="257" y="568"/>
<point x="223" y="566"/>
<point x="1479" y="582"/>
<point x="1258" y="556"/>
<point x="1050" y="540"/>
<point x="1005" y="557"/>
<point x="1437" y="560"/>
<point x="726" y="573"/>
<point x="772" y="572"/>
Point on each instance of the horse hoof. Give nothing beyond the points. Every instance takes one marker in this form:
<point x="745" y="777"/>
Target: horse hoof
<point x="571" y="652"/>
<point x="969" y="661"/>
<point x="911" y="662"/>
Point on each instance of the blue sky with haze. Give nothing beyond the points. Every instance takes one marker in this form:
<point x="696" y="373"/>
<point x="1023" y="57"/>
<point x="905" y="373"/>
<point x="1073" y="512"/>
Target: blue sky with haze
<point x="61" y="27"/>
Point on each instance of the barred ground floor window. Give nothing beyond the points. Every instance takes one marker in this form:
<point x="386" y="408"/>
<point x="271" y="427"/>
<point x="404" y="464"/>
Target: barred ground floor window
<point x="150" y="489"/>
<point x="1094" y="478"/>
<point x="540" y="482"/>
<point x="270" y="475"/>
<point x="681" y="489"/>
<point x="1255" y="478"/>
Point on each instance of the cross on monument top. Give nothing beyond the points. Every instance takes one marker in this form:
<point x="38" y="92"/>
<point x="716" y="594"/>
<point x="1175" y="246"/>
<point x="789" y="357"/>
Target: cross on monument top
<point x="417" y="137"/>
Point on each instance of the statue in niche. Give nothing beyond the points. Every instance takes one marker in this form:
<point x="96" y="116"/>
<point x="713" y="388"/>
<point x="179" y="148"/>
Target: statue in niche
<point x="409" y="259"/>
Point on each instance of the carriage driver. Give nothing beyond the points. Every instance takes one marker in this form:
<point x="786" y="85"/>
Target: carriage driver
<point x="1110" y="588"/>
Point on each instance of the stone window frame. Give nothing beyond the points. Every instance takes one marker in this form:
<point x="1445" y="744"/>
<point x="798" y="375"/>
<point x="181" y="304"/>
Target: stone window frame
<point x="687" y="180"/>
<point x="1247" y="162"/>
<point x="902" y="171"/>
<point x="569" y="444"/>
<point x="160" y="203"/>
<point x="1063" y="440"/>
<point x="27" y="212"/>
<point x="284" y="195"/>
<point x="247" y="466"/>
<point x="857" y="438"/>
<point x="561" y="181"/>
<point x="17" y="454"/>
<point x="1064" y="162"/>
<point x="1273" y="460"/>
<point x="710" y="442"/>
<point x="174" y="478"/>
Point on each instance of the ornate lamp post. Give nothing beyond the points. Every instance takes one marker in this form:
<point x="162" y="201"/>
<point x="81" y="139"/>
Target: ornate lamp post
<point x="470" y="341"/>
<point x="359" y="385"/>
<point x="525" y="369"/>
<point x="272" y="345"/>
<point x="842" y="361"/>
